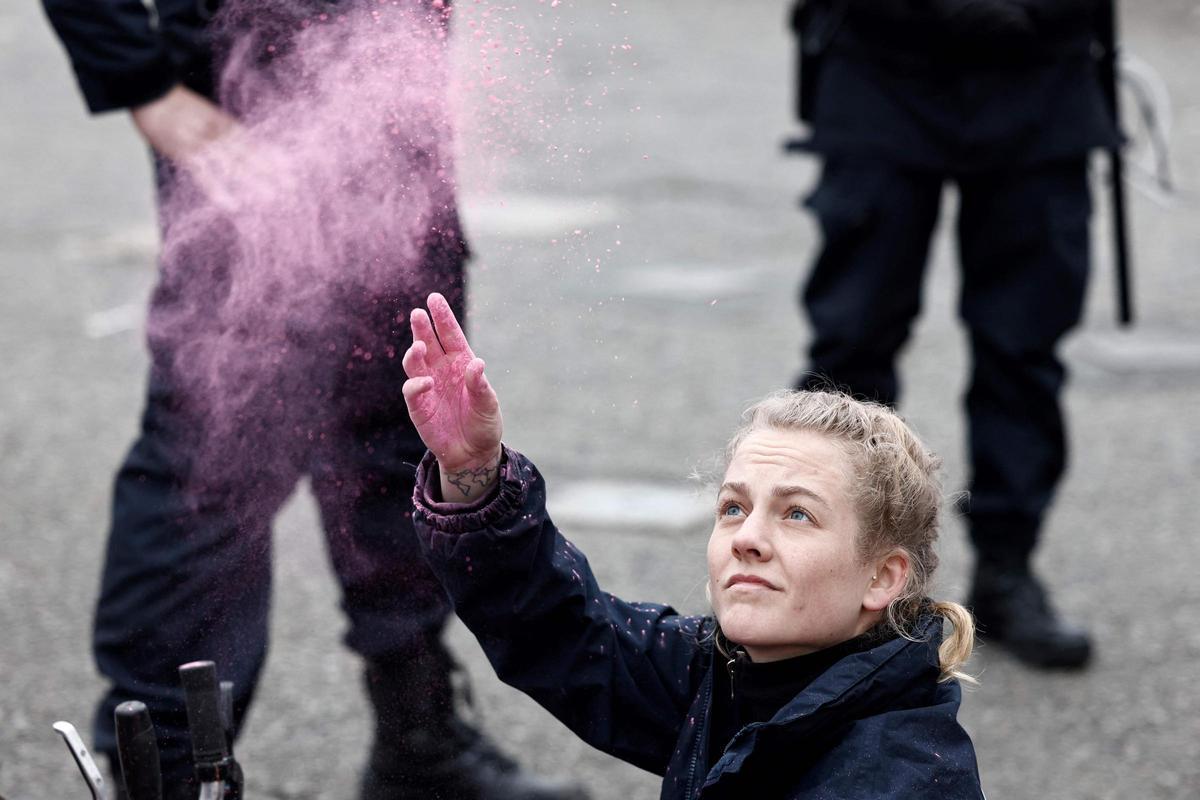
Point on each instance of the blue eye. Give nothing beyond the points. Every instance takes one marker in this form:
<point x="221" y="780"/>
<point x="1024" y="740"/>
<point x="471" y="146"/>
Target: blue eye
<point x="799" y="514"/>
<point x="731" y="510"/>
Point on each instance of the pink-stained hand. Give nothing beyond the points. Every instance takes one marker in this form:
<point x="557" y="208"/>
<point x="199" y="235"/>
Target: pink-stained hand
<point x="451" y="403"/>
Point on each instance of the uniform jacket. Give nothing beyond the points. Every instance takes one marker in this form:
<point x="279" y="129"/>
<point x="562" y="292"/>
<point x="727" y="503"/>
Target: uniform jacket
<point x="953" y="85"/>
<point x="124" y="56"/>
<point x="636" y="680"/>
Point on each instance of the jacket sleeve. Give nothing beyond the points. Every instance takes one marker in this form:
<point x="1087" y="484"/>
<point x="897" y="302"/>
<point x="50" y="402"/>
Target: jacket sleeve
<point x="118" y="57"/>
<point x="620" y="675"/>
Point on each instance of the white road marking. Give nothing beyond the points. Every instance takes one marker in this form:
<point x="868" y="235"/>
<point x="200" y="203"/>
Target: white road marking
<point x="109" y="322"/>
<point x="696" y="282"/>
<point x="519" y="216"/>
<point x="628" y="504"/>
<point x="1140" y="351"/>
<point x="137" y="243"/>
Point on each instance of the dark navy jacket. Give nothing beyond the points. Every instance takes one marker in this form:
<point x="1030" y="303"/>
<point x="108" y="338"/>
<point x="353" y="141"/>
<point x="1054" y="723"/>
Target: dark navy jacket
<point x="954" y="85"/>
<point x="635" y="679"/>
<point x="124" y="57"/>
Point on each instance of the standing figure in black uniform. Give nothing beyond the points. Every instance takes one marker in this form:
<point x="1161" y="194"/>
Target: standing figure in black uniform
<point x="1001" y="97"/>
<point x="187" y="572"/>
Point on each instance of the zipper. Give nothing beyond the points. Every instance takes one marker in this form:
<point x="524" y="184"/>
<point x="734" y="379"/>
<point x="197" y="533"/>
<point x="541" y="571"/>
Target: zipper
<point x="692" y="772"/>
<point x="739" y="657"/>
<point x="702" y="720"/>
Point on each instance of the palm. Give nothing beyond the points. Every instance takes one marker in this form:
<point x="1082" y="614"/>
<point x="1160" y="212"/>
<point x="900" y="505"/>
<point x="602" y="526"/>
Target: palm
<point x="452" y="427"/>
<point x="449" y="400"/>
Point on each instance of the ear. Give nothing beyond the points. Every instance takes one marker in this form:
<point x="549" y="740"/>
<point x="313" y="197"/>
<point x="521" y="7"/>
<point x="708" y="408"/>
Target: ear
<point x="889" y="579"/>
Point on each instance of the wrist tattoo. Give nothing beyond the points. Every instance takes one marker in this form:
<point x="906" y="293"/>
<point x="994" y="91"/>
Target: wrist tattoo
<point x="470" y="481"/>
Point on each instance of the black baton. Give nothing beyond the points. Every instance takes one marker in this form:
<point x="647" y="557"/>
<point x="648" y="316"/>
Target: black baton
<point x="1106" y="33"/>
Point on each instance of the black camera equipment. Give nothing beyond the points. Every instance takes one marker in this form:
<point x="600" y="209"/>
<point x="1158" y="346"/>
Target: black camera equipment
<point x="218" y="774"/>
<point x="137" y="750"/>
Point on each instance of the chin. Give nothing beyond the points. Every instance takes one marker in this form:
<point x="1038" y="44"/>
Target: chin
<point x="742" y="627"/>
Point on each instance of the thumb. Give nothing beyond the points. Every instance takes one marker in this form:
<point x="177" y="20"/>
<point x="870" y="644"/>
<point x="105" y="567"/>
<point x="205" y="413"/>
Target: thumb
<point x="417" y="398"/>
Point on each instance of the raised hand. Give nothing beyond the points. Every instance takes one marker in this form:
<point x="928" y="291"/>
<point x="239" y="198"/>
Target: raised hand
<point x="451" y="403"/>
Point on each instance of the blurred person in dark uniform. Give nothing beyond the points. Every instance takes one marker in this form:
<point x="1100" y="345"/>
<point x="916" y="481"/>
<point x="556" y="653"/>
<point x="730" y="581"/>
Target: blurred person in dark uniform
<point x="1002" y="98"/>
<point x="187" y="580"/>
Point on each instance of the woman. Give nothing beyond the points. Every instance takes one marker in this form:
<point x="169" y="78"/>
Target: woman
<point x="820" y="672"/>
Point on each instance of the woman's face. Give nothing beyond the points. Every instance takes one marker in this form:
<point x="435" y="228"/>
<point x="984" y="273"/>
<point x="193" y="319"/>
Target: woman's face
<point x="785" y="575"/>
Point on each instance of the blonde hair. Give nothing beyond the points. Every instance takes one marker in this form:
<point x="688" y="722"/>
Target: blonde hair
<point x="897" y="493"/>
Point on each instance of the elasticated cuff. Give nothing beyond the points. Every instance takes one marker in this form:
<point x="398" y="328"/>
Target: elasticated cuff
<point x="505" y="501"/>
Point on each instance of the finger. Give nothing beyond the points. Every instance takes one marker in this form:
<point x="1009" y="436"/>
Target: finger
<point x="482" y="394"/>
<point x="417" y="397"/>
<point x="422" y="330"/>
<point x="414" y="360"/>
<point x="448" y="330"/>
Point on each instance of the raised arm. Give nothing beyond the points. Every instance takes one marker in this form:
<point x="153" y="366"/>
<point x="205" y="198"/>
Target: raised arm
<point x="621" y="675"/>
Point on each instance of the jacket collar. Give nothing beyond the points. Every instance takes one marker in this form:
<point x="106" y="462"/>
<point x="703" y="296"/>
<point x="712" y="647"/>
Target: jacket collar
<point x="848" y="690"/>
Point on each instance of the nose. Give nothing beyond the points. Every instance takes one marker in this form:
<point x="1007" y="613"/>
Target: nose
<point x="751" y="541"/>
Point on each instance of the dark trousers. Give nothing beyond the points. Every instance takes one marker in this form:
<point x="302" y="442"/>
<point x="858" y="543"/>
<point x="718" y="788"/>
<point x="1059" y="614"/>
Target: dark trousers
<point x="1023" y="247"/>
<point x="187" y="575"/>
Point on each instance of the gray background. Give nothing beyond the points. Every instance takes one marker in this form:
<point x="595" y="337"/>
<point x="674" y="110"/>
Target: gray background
<point x="633" y="367"/>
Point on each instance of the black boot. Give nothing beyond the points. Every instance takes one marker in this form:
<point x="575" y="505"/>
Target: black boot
<point x="1011" y="608"/>
<point x="424" y="750"/>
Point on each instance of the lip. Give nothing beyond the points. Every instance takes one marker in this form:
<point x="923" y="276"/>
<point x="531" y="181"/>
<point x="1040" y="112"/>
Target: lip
<point x="753" y="580"/>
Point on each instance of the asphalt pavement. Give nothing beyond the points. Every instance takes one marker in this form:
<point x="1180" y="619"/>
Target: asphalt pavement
<point x="638" y="247"/>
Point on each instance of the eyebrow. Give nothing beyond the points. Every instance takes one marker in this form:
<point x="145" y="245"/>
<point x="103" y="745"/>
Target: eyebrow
<point x="738" y="487"/>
